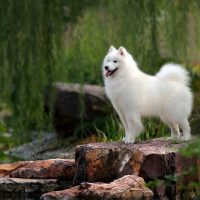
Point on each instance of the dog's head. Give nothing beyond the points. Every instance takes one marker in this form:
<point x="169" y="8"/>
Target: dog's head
<point x="113" y="61"/>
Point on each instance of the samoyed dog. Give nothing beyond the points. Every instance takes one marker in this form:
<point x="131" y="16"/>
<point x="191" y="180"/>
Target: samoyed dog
<point x="135" y="94"/>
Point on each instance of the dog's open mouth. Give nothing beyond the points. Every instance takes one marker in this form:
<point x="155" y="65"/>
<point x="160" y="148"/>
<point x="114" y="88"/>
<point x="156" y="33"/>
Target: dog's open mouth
<point x="111" y="72"/>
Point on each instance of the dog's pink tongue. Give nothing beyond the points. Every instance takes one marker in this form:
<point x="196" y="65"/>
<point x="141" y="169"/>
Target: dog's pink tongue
<point x="108" y="73"/>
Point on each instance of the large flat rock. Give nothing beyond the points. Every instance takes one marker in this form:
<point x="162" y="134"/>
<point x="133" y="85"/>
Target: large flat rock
<point x="36" y="176"/>
<point x="153" y="160"/>
<point x="106" y="161"/>
<point x="127" y="188"/>
<point x="43" y="169"/>
<point x="6" y="169"/>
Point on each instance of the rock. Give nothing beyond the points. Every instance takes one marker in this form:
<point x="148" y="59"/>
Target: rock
<point x="127" y="188"/>
<point x="73" y="103"/>
<point x="6" y="169"/>
<point x="19" y="185"/>
<point x="43" y="147"/>
<point x="67" y="194"/>
<point x="153" y="159"/>
<point x="37" y="176"/>
<point x="43" y="169"/>
<point x="156" y="159"/>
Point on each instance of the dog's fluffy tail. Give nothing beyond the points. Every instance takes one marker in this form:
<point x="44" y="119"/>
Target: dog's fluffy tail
<point x="174" y="72"/>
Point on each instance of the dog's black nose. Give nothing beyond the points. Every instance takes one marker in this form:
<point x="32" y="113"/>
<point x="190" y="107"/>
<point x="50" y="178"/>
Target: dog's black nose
<point x="106" y="67"/>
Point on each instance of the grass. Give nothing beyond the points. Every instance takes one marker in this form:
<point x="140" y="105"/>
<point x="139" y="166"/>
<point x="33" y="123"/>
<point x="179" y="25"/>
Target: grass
<point x="113" y="130"/>
<point x="153" y="128"/>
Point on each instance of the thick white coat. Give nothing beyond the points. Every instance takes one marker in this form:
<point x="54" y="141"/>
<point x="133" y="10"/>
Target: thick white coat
<point x="135" y="94"/>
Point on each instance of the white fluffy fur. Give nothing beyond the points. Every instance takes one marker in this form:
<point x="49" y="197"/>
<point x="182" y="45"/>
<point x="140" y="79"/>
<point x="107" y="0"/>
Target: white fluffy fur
<point x="135" y="94"/>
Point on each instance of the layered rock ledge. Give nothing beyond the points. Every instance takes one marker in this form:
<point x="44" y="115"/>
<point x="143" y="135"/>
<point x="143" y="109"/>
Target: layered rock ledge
<point x="157" y="161"/>
<point x="44" y="169"/>
<point x="105" y="162"/>
<point x="36" y="176"/>
<point x="108" y="171"/>
<point x="127" y="188"/>
<point x="21" y="185"/>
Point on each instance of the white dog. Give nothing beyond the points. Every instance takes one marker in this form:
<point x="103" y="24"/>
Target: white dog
<point x="135" y="94"/>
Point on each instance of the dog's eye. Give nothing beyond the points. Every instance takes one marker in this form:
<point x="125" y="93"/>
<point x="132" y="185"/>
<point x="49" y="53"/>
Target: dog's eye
<point x="115" y="61"/>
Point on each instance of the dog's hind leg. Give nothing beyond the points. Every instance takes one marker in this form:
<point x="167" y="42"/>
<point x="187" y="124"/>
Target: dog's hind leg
<point x="184" y="125"/>
<point x="175" y="132"/>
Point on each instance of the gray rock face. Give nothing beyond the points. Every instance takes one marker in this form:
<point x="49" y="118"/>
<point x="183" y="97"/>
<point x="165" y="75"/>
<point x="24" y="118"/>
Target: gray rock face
<point x="42" y="149"/>
<point x="73" y="102"/>
<point x="19" y="185"/>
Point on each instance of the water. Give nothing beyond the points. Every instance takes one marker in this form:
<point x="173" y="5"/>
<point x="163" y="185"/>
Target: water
<point x="4" y="158"/>
<point x="19" y="196"/>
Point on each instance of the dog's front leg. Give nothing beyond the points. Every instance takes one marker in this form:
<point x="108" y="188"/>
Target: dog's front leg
<point x="135" y="127"/>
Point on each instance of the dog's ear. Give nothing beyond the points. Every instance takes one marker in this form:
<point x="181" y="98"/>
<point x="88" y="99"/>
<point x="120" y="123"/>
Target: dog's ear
<point x="122" y="51"/>
<point x="111" y="49"/>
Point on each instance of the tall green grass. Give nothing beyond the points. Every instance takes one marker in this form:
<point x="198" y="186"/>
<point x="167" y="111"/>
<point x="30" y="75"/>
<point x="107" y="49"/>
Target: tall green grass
<point x="153" y="32"/>
<point x="29" y="62"/>
<point x="113" y="130"/>
<point x="32" y="36"/>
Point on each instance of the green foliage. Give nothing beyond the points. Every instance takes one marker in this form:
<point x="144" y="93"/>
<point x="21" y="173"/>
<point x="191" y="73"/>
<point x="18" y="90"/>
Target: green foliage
<point x="153" y="31"/>
<point x="30" y="42"/>
<point x="153" y="128"/>
<point x="3" y="127"/>
<point x="7" y="159"/>
<point x="186" y="190"/>
<point x="73" y="9"/>
<point x="192" y="148"/>
<point x="111" y="129"/>
<point x="31" y="50"/>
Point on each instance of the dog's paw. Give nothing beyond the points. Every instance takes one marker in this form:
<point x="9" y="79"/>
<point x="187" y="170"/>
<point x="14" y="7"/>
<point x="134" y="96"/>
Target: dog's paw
<point x="185" y="138"/>
<point x="127" y="140"/>
<point x="174" y="138"/>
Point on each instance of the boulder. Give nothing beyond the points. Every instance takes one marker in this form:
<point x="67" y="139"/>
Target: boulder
<point x="75" y="102"/>
<point x="107" y="161"/>
<point x="46" y="169"/>
<point x="36" y="177"/>
<point x="6" y="169"/>
<point x="67" y="194"/>
<point x="44" y="147"/>
<point x="157" y="159"/>
<point x="19" y="185"/>
<point x="127" y="188"/>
